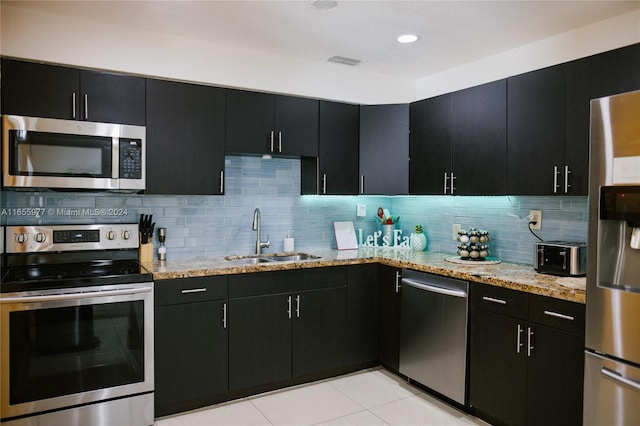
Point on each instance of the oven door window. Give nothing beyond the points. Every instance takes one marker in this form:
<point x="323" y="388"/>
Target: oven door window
<point x="67" y="350"/>
<point x="52" y="154"/>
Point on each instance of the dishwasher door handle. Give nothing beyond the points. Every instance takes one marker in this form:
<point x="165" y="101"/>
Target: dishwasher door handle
<point x="434" y="289"/>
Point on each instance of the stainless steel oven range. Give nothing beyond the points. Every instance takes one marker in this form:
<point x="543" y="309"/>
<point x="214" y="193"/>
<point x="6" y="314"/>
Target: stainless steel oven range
<point x="76" y="327"/>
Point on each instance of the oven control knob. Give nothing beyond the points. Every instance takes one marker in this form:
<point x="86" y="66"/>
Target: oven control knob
<point x="111" y="235"/>
<point x="126" y="235"/>
<point x="21" y="238"/>
<point x="40" y="237"/>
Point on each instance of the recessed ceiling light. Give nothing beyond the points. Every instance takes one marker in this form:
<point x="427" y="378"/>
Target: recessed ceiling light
<point x="407" y="38"/>
<point x="325" y="4"/>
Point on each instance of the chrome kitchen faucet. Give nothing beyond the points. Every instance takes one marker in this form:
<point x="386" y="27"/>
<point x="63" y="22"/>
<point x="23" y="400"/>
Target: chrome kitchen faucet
<point x="256" y="227"/>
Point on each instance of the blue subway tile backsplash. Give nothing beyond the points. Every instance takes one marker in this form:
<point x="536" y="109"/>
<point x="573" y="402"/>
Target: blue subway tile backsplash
<point x="221" y="225"/>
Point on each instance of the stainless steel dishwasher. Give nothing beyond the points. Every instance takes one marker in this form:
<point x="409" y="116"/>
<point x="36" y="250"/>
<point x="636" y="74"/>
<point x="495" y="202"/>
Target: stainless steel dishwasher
<point x="433" y="332"/>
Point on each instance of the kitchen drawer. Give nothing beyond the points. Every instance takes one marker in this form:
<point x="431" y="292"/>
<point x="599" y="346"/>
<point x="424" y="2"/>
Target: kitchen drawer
<point x="556" y="313"/>
<point x="187" y="290"/>
<point x="499" y="300"/>
<point x="276" y="282"/>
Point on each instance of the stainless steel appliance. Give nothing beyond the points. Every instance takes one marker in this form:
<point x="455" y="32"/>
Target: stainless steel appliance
<point x="67" y="154"/>
<point x="76" y="327"/>
<point x="433" y="332"/>
<point x="562" y="258"/>
<point x="612" y="360"/>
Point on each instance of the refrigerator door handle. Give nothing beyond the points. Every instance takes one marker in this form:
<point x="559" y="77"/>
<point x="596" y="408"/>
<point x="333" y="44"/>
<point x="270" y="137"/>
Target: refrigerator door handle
<point x="617" y="377"/>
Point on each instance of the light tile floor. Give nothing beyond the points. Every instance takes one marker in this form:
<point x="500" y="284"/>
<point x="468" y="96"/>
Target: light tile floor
<point x="367" y="397"/>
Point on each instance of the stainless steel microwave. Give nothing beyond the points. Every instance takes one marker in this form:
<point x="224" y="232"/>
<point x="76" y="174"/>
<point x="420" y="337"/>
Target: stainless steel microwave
<point x="67" y="154"/>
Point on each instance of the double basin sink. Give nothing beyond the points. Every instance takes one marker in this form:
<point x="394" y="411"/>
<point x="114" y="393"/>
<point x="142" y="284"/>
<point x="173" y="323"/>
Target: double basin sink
<point x="270" y="258"/>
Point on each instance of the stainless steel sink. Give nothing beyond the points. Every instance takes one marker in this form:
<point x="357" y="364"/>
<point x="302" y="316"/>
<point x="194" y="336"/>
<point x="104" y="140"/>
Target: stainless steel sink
<point x="256" y="259"/>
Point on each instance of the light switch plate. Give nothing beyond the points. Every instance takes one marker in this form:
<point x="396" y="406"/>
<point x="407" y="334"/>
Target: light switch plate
<point x="361" y="210"/>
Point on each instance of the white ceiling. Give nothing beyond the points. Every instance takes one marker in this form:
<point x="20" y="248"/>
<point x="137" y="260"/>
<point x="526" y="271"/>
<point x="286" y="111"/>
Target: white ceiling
<point x="451" y="33"/>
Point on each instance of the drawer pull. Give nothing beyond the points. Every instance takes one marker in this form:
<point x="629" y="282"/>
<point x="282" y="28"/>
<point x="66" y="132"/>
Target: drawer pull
<point x="559" y="315"/>
<point x="194" y="290"/>
<point x="492" y="300"/>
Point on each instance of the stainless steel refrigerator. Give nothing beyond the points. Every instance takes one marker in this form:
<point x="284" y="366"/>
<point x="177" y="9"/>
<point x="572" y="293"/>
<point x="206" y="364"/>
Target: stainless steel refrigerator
<point x="612" y="356"/>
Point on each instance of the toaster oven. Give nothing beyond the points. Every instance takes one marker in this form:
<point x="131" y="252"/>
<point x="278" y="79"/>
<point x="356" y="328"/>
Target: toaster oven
<point x="561" y="258"/>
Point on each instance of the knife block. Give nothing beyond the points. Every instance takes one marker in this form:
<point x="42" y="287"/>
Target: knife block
<point x="145" y="252"/>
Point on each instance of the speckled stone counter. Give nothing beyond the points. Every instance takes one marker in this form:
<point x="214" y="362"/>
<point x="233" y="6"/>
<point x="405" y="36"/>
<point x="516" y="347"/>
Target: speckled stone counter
<point x="508" y="275"/>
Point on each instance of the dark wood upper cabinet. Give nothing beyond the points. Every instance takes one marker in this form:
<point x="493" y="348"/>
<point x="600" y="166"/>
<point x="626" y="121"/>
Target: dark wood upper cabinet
<point x="430" y="145"/>
<point x="185" y="138"/>
<point x="593" y="77"/>
<point x="384" y="149"/>
<point x="51" y="91"/>
<point x="479" y="139"/>
<point x="262" y="123"/>
<point x="335" y="171"/>
<point x="536" y="128"/>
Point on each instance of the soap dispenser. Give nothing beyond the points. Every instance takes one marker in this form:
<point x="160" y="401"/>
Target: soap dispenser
<point x="288" y="242"/>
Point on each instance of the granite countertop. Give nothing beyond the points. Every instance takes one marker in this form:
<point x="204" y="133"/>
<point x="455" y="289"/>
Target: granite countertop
<point x="508" y="275"/>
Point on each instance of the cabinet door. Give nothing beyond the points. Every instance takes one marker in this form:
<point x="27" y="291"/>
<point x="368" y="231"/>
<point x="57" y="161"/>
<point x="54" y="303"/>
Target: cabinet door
<point x="479" y="139"/>
<point x="555" y="377"/>
<point x="497" y="382"/>
<point x="296" y="121"/>
<point x="112" y="98"/>
<point x="535" y="127"/>
<point x="319" y="330"/>
<point x="362" y="314"/>
<point x="250" y="122"/>
<point x="606" y="74"/>
<point x="338" y="149"/>
<point x="259" y="340"/>
<point x="185" y="138"/>
<point x="191" y="355"/>
<point x="38" y="90"/>
<point x="389" y="308"/>
<point x="430" y="145"/>
<point x="384" y="149"/>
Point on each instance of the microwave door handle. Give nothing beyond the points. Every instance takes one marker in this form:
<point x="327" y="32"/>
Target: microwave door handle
<point x="115" y="157"/>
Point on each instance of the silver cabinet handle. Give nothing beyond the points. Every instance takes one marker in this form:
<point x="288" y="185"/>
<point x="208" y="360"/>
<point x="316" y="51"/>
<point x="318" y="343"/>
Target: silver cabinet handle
<point x="453" y="187"/>
<point x="492" y="300"/>
<point x="289" y="306"/>
<point x="529" y="345"/>
<point x="362" y="184"/>
<point x="298" y="306"/>
<point x="559" y="315"/>
<point x="271" y="143"/>
<point x="398" y="279"/>
<point x="222" y="181"/>
<point x="324" y="183"/>
<point x="194" y="290"/>
<point x="446" y="179"/>
<point x="555" y="179"/>
<point x="617" y="377"/>
<point x="73" y="105"/>
<point x="224" y="316"/>
<point x="279" y="141"/>
<point x="519" y="339"/>
<point x="566" y="179"/>
<point x="86" y="106"/>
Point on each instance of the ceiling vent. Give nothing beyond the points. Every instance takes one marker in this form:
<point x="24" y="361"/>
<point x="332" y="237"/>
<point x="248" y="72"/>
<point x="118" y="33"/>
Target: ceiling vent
<point x="343" y="60"/>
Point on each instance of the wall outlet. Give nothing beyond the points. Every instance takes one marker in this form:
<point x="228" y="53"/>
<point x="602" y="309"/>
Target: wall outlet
<point x="454" y="231"/>
<point x="537" y="217"/>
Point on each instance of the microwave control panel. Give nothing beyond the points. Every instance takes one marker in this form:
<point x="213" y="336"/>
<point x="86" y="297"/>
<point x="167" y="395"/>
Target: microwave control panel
<point x="130" y="158"/>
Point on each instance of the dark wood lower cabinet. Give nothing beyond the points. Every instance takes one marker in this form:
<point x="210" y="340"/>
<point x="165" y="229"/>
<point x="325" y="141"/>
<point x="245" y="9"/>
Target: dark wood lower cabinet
<point x="362" y="315"/>
<point x="526" y="365"/>
<point x="259" y="341"/>
<point x="389" y="308"/>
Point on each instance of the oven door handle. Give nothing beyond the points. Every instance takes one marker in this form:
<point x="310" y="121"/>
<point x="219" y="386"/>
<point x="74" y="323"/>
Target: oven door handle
<point x="78" y="295"/>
